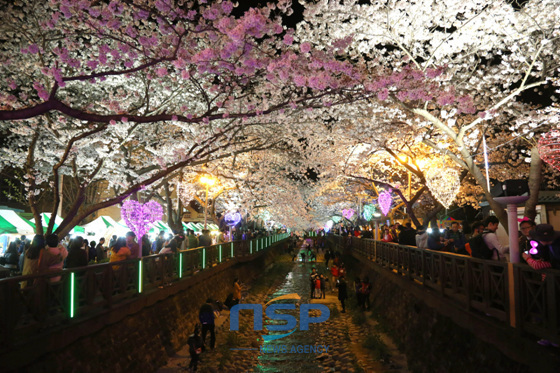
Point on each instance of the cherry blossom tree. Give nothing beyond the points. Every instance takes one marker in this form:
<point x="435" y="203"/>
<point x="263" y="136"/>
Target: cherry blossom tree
<point x="132" y="91"/>
<point x="491" y="51"/>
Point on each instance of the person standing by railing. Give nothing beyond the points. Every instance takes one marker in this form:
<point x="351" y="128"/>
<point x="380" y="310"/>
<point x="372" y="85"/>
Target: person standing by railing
<point x="53" y="257"/>
<point x="205" y="239"/>
<point x="491" y="239"/>
<point x="387" y="236"/>
<point x="455" y="239"/>
<point x="32" y="257"/>
<point x="77" y="256"/>
<point x="191" y="241"/>
<point x="525" y="228"/>
<point x="132" y="245"/>
<point x="547" y="256"/>
<point x="421" y="237"/>
<point x="119" y="252"/>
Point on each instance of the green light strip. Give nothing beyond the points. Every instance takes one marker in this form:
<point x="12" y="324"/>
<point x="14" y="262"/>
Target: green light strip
<point x="180" y="265"/>
<point x="220" y="253"/>
<point x="232" y="249"/>
<point x="251" y="246"/>
<point x="140" y="276"/>
<point x="203" y="258"/>
<point x="72" y="295"/>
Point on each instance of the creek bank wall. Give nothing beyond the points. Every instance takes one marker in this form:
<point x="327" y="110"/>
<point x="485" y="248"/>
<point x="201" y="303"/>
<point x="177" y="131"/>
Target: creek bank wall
<point x="140" y="335"/>
<point x="438" y="337"/>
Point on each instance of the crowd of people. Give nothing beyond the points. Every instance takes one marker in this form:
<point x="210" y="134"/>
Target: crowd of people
<point x="478" y="240"/>
<point x="45" y="254"/>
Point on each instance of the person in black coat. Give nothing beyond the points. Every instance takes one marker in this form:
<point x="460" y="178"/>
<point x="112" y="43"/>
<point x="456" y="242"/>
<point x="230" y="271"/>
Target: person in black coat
<point x="77" y="257"/>
<point x="196" y="347"/>
<point x="342" y="292"/>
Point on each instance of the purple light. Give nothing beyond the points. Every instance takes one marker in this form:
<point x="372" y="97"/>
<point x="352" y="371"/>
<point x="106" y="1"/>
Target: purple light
<point x="138" y="217"/>
<point x="348" y="213"/>
<point x="385" y="200"/>
<point x="533" y="250"/>
<point x="232" y="218"/>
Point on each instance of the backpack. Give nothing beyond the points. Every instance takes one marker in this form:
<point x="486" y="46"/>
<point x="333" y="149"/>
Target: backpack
<point x="479" y="248"/>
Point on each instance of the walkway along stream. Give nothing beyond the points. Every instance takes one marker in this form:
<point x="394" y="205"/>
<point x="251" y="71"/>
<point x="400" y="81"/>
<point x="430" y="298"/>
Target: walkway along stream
<point x="335" y="345"/>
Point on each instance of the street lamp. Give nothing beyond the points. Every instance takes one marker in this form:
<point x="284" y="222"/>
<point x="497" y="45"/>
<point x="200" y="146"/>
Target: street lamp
<point x="208" y="181"/>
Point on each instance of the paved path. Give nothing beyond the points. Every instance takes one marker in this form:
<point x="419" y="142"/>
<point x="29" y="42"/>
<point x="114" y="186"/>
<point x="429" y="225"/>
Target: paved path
<point x="344" y="339"/>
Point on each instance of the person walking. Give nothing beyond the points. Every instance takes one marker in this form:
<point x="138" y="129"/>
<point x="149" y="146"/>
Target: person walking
<point x="236" y="291"/>
<point x="323" y="280"/>
<point x="312" y="277"/>
<point x="342" y="292"/>
<point x="206" y="317"/>
<point x="196" y="347"/>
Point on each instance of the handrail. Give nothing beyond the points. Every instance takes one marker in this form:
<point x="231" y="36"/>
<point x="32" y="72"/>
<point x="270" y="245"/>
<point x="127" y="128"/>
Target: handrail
<point x="41" y="301"/>
<point x="473" y="284"/>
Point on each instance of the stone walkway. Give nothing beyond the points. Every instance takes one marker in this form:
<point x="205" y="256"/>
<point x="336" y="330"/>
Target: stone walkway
<point x="240" y="351"/>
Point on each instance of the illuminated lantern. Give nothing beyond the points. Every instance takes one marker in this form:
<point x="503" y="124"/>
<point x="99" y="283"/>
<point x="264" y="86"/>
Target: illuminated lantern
<point x="232" y="218"/>
<point x="336" y="219"/>
<point x="138" y="217"/>
<point x="385" y="200"/>
<point x="348" y="213"/>
<point x="444" y="183"/>
<point x="549" y="148"/>
<point x="368" y="212"/>
<point x="329" y="225"/>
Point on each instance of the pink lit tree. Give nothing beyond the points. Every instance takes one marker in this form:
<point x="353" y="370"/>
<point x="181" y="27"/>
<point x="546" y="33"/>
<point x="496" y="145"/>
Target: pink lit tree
<point x="131" y="91"/>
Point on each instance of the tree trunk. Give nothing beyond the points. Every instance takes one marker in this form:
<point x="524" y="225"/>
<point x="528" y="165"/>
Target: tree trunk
<point x="498" y="209"/>
<point x="535" y="180"/>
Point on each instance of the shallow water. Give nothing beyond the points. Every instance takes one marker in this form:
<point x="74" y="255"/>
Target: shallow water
<point x="297" y="281"/>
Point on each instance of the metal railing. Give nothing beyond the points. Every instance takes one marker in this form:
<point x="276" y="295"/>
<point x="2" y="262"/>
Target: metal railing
<point x="513" y="293"/>
<point x="29" y="304"/>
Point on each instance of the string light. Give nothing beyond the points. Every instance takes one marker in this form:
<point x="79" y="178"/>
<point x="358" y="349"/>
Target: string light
<point x="443" y="182"/>
<point x="549" y="148"/>
<point x="348" y="213"/>
<point x="385" y="200"/>
<point x="232" y="218"/>
<point x="139" y="217"/>
<point x="368" y="212"/>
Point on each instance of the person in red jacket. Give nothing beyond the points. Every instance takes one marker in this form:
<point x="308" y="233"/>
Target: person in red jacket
<point x="334" y="276"/>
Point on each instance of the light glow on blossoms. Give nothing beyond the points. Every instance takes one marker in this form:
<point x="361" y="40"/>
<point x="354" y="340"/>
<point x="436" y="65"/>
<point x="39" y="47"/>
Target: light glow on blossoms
<point x="138" y="217"/>
<point x="385" y="200"/>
